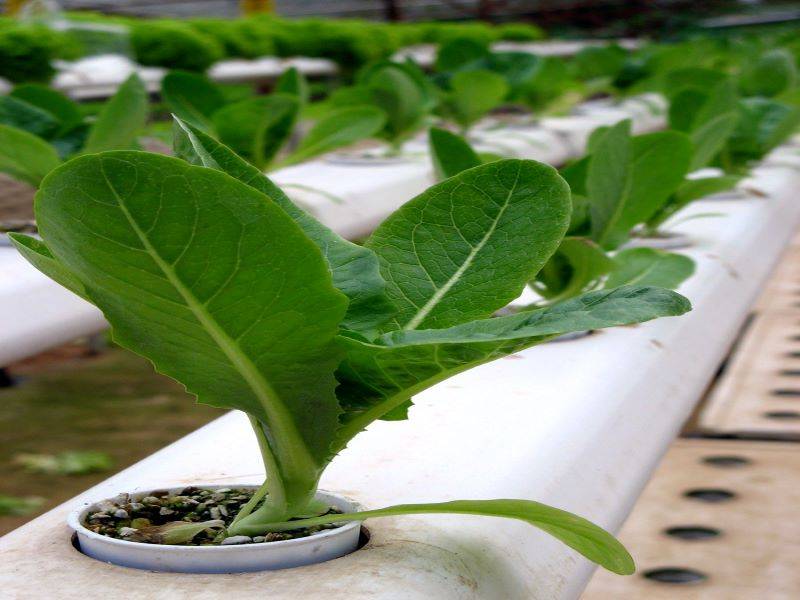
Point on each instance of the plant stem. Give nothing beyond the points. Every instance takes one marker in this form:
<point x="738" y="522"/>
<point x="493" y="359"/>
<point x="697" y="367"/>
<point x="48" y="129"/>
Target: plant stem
<point x="274" y="485"/>
<point x="253" y="502"/>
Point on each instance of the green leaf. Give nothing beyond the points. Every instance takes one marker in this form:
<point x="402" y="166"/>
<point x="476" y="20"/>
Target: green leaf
<point x="121" y="118"/>
<point x="67" y="112"/>
<point x="608" y="178"/>
<point x="355" y="269"/>
<point x="694" y="189"/>
<point x="294" y="83"/>
<point x="709" y="138"/>
<point x="257" y="128"/>
<point x="581" y="535"/>
<point x="338" y="129"/>
<point x="459" y="52"/>
<point x="577" y="267"/>
<point x="629" y="179"/>
<point x="192" y="97"/>
<point x="683" y="109"/>
<point x="594" y="62"/>
<point x="474" y="94"/>
<point x="506" y="217"/>
<point x="24" y="156"/>
<point x="689" y="191"/>
<point x="174" y="532"/>
<point x="38" y="254"/>
<point x="647" y="266"/>
<point x="214" y="283"/>
<point x="774" y="72"/>
<point x="450" y="153"/>
<point x="20" y="114"/>
<point x="763" y="124"/>
<point x="400" y="95"/>
<point x="379" y="376"/>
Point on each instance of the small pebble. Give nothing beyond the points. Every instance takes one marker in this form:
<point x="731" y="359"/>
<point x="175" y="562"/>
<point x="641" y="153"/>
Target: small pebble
<point x="137" y="506"/>
<point x="215" y="512"/>
<point x="140" y="523"/>
<point x="151" y="500"/>
<point x="258" y="539"/>
<point x="166" y="511"/>
<point x="224" y="511"/>
<point x="121" y="513"/>
<point x="99" y="516"/>
<point x="126" y="531"/>
<point x="237" y="539"/>
<point x="223" y="490"/>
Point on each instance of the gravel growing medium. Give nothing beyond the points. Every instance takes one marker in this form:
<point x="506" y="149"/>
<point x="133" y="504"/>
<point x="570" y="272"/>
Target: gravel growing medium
<point x="149" y="519"/>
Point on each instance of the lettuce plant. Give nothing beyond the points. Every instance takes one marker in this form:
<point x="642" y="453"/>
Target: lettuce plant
<point x="624" y="180"/>
<point x="207" y="269"/>
<point x="259" y="128"/>
<point x="401" y="91"/>
<point x="580" y="266"/>
<point x="769" y="75"/>
<point x="763" y="125"/>
<point x="40" y="127"/>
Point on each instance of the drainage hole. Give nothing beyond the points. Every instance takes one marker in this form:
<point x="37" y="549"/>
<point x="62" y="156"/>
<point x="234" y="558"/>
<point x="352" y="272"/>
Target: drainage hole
<point x="785" y="392"/>
<point x="786" y="415"/>
<point x="793" y="354"/>
<point x="726" y="461"/>
<point x="710" y="495"/>
<point x="790" y="372"/>
<point x="677" y="575"/>
<point x="692" y="532"/>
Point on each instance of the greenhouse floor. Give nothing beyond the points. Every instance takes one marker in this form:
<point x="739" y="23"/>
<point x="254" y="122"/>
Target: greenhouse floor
<point x="719" y="518"/>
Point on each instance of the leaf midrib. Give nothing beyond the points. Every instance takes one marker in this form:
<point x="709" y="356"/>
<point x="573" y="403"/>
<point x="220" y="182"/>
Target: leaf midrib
<point x="437" y="296"/>
<point x="281" y="423"/>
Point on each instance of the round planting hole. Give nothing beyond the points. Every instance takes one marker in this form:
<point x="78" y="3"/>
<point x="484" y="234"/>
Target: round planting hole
<point x="786" y="415"/>
<point x="790" y="372"/>
<point x="786" y="392"/>
<point x="710" y="495"/>
<point x="793" y="354"/>
<point x="692" y="532"/>
<point x="678" y="575"/>
<point x="726" y="461"/>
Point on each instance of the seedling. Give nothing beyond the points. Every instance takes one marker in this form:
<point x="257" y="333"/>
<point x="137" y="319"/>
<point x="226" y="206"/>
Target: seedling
<point x="226" y="286"/>
<point x="624" y="180"/>
<point x="260" y="128"/>
<point x="40" y="127"/>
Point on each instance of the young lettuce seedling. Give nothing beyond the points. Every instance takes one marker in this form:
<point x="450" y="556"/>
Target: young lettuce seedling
<point x="226" y="286"/>
<point x="259" y="128"/>
<point x="40" y="127"/>
<point x="624" y="180"/>
<point x="579" y="265"/>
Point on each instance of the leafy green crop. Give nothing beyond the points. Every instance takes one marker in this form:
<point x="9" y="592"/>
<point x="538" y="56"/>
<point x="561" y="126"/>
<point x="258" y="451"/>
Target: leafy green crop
<point x="626" y="179"/>
<point x="259" y="128"/>
<point x="763" y="124"/>
<point x="472" y="95"/>
<point x="39" y="127"/>
<point x="402" y="92"/>
<point x="770" y="74"/>
<point x="450" y="153"/>
<point x="207" y="269"/>
<point x="580" y="266"/>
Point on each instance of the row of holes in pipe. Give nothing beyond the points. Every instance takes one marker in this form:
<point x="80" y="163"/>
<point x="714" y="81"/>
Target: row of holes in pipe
<point x="787" y="415"/>
<point x="685" y="575"/>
